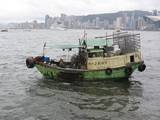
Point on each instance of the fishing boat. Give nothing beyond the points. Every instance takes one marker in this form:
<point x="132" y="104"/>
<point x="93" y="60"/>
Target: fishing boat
<point x="114" y="56"/>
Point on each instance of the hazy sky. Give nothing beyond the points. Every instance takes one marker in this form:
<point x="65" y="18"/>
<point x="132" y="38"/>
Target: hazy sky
<point x="21" y="10"/>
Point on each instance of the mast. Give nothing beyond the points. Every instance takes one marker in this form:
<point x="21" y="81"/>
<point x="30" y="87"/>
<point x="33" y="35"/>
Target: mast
<point x="44" y="49"/>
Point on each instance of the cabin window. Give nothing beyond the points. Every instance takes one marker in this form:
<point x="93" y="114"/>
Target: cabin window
<point x="96" y="47"/>
<point x="90" y="55"/>
<point x="132" y="58"/>
<point x="93" y="55"/>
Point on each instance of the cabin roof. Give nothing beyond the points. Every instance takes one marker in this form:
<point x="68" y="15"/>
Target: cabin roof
<point x="65" y="46"/>
<point x="98" y="42"/>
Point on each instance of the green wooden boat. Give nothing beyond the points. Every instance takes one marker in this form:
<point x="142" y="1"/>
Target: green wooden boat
<point x="114" y="56"/>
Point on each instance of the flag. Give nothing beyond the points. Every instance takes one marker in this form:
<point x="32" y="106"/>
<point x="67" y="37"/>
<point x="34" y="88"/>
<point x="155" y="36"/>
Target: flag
<point x="44" y="45"/>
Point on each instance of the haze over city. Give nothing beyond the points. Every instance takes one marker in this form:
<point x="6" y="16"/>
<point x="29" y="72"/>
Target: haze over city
<point x="23" y="10"/>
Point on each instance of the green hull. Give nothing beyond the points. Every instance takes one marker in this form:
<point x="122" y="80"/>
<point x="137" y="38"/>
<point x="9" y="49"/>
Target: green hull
<point x="73" y="74"/>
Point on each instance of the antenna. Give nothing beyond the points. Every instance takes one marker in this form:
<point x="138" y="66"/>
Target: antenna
<point x="106" y="39"/>
<point x="85" y="35"/>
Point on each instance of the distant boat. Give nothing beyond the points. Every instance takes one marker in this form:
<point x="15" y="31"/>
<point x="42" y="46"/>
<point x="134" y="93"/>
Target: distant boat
<point x="4" y="30"/>
<point x="27" y="30"/>
<point x="60" y="27"/>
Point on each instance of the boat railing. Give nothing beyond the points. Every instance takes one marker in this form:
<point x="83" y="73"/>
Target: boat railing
<point x="127" y="42"/>
<point x="114" y="34"/>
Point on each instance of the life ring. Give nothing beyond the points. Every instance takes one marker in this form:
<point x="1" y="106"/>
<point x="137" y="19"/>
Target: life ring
<point x="30" y="62"/>
<point x="108" y="71"/>
<point x="128" y="70"/>
<point x="141" y="67"/>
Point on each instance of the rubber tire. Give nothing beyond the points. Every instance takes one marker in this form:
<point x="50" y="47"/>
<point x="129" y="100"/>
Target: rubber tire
<point x="30" y="63"/>
<point x="128" y="70"/>
<point x="108" y="71"/>
<point x="141" y="67"/>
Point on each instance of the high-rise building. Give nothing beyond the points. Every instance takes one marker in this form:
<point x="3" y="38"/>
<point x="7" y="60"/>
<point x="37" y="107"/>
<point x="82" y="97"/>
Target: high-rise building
<point x="97" y="21"/>
<point x="35" y="25"/>
<point x="63" y="17"/>
<point x="106" y="24"/>
<point x="155" y="12"/>
<point x="140" y="23"/>
<point x="48" y="21"/>
<point x="133" y="22"/>
<point x="119" y="22"/>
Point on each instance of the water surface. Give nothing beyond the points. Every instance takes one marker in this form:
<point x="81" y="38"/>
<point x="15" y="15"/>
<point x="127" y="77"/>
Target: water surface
<point x="26" y="95"/>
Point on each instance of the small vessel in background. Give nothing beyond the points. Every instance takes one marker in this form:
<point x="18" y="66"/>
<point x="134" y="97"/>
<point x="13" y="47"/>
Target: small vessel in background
<point x="114" y="56"/>
<point x="58" y="26"/>
<point x="27" y="30"/>
<point x="4" y="30"/>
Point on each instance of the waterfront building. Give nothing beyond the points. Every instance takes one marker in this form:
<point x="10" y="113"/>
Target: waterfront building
<point x="152" y="22"/>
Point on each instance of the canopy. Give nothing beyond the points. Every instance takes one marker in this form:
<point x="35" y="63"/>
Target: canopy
<point x="89" y="42"/>
<point x="67" y="46"/>
<point x="99" y="42"/>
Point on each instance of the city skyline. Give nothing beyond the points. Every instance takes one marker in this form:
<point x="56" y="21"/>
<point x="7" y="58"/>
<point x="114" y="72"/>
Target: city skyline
<point x="126" y="20"/>
<point x="20" y="10"/>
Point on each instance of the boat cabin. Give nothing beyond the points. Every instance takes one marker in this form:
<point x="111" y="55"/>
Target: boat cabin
<point x="103" y="52"/>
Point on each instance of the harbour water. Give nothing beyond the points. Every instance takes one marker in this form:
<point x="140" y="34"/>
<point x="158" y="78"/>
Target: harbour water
<point x="26" y="95"/>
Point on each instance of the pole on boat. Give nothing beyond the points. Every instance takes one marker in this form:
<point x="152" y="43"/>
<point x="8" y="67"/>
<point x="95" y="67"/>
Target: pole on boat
<point x="85" y="35"/>
<point x="106" y="40"/>
<point x="44" y="48"/>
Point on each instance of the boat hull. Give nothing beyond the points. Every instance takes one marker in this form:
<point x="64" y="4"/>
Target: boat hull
<point x="73" y="74"/>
